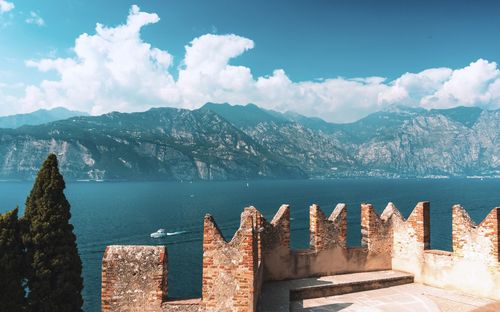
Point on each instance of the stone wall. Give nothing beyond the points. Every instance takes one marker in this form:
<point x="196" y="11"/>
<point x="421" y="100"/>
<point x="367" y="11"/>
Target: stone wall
<point x="476" y="242"/>
<point x="258" y="221"/>
<point x="473" y="266"/>
<point x="331" y="232"/>
<point x="410" y="238"/>
<point x="275" y="244"/>
<point x="376" y="232"/>
<point x="328" y="253"/>
<point x="134" y="278"/>
<point x="229" y="268"/>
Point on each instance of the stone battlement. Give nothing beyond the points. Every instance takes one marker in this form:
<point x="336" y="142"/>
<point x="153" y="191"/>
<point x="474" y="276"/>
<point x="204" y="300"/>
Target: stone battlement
<point x="134" y="278"/>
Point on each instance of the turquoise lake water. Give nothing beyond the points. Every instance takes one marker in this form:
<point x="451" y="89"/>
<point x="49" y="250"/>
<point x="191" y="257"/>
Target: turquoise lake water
<point x="108" y="213"/>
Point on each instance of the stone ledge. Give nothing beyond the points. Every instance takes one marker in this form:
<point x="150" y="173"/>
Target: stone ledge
<point x="276" y="296"/>
<point x="439" y="252"/>
<point x="346" y="288"/>
<point x="182" y="301"/>
<point x="182" y="305"/>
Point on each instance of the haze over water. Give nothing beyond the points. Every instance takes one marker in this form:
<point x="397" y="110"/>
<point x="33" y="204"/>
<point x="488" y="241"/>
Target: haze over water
<point x="127" y="212"/>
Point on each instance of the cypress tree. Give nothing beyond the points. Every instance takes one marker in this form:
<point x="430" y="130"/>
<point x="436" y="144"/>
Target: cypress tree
<point x="54" y="266"/>
<point x="11" y="263"/>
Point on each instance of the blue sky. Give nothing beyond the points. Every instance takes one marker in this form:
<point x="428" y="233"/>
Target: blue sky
<point x="339" y="60"/>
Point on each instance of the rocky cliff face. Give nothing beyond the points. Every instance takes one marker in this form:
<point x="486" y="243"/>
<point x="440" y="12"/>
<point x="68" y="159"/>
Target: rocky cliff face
<point x="157" y="144"/>
<point x="219" y="142"/>
<point x="433" y="144"/>
<point x="319" y="154"/>
<point x="398" y="142"/>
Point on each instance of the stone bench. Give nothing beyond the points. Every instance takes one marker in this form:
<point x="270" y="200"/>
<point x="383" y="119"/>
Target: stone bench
<point x="276" y="296"/>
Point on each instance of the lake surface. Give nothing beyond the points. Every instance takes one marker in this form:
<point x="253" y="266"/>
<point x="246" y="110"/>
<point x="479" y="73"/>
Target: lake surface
<point x="127" y="212"/>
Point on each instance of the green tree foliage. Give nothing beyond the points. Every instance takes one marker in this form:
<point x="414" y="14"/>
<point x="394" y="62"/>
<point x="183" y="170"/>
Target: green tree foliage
<point x="54" y="266"/>
<point x="11" y="263"/>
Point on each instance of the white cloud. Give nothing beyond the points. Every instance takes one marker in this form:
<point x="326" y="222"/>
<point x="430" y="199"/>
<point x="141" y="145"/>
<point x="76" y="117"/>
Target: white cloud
<point x="410" y="88"/>
<point x="206" y="75"/>
<point x="6" y="6"/>
<point x="9" y="97"/>
<point x="114" y="69"/>
<point x="469" y="86"/>
<point x="35" y="19"/>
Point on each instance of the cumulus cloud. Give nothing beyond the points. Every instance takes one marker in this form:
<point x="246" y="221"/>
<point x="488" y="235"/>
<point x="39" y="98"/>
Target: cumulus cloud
<point x="6" y="6"/>
<point x="205" y="74"/>
<point x="410" y="88"/>
<point x="114" y="69"/>
<point x="474" y="85"/>
<point x="469" y="86"/>
<point x="35" y="19"/>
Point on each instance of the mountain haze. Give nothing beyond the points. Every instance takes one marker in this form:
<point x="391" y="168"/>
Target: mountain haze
<point x="38" y="117"/>
<point x="221" y="141"/>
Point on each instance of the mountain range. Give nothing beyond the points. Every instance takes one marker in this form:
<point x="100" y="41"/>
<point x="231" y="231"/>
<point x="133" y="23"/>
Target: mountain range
<point x="38" y="117"/>
<point x="222" y="141"/>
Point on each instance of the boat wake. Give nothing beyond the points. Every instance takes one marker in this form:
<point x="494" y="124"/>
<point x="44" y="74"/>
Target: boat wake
<point x="176" y="233"/>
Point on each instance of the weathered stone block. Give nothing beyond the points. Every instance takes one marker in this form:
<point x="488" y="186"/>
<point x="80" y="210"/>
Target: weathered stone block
<point x="134" y="278"/>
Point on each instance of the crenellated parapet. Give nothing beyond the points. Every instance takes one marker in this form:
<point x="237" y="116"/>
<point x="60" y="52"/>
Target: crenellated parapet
<point x="276" y="234"/>
<point x="327" y="233"/>
<point x="473" y="266"/>
<point x="271" y="236"/>
<point x="273" y="242"/>
<point x="229" y="268"/>
<point x="476" y="242"/>
<point x="376" y="231"/>
<point x="328" y="240"/>
<point x="410" y="238"/>
<point x="134" y="278"/>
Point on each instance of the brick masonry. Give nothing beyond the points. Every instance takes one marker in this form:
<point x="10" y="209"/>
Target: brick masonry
<point x="476" y="241"/>
<point x="327" y="233"/>
<point x="229" y="268"/>
<point x="411" y="237"/>
<point x="473" y="267"/>
<point x="134" y="278"/>
<point x="276" y="234"/>
<point x="274" y="243"/>
<point x="376" y="232"/>
<point x="416" y="228"/>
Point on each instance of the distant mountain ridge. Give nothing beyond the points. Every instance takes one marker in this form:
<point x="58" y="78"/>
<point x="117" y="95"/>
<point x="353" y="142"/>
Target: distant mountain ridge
<point x="243" y="116"/>
<point x="222" y="141"/>
<point x="38" y="117"/>
<point x="407" y="142"/>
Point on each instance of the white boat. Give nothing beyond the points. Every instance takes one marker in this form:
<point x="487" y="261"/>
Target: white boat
<point x="159" y="234"/>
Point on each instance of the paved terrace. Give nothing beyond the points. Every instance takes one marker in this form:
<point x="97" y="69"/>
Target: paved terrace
<point x="369" y="291"/>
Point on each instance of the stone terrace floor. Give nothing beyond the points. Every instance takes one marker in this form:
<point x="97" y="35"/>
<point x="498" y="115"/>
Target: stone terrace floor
<point x="403" y="298"/>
